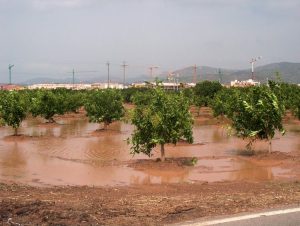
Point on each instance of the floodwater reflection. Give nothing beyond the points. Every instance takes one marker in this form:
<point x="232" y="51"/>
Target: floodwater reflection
<point x="72" y="152"/>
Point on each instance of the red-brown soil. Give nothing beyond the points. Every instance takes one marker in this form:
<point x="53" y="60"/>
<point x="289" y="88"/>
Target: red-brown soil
<point x="147" y="204"/>
<point x="139" y="205"/>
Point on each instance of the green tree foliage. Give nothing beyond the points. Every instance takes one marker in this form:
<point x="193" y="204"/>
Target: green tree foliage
<point x="104" y="106"/>
<point x="289" y="94"/>
<point x="130" y="92"/>
<point x="73" y="100"/>
<point x="256" y="114"/>
<point x="205" y="92"/>
<point x="225" y="101"/>
<point x="13" y="109"/>
<point x="47" y="103"/>
<point x="143" y="98"/>
<point x="162" y="119"/>
<point x="295" y="101"/>
<point x="188" y="93"/>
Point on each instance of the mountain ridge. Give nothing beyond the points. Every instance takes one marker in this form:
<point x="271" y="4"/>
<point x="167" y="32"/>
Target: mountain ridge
<point x="289" y="72"/>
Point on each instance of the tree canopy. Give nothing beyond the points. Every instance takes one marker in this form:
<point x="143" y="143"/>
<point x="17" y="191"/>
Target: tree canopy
<point x="104" y="106"/>
<point x="205" y="92"/>
<point x="46" y="103"/>
<point x="163" y="119"/>
<point x="13" y="109"/>
<point x="256" y="113"/>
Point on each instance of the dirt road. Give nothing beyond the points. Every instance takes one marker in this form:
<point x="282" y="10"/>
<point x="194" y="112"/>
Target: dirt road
<point x="139" y="205"/>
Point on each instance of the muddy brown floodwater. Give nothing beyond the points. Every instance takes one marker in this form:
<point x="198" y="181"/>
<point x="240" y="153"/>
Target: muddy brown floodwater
<point x="72" y="152"/>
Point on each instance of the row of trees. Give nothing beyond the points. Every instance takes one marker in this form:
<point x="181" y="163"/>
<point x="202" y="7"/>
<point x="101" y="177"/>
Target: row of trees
<point x="102" y="106"/>
<point x="16" y="105"/>
<point x="162" y="117"/>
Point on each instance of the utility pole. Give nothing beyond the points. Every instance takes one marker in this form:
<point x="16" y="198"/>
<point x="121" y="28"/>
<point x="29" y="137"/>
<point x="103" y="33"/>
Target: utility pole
<point x="77" y="72"/>
<point x="195" y="74"/>
<point x="220" y="75"/>
<point x="151" y="70"/>
<point x="253" y="60"/>
<point x="124" y="65"/>
<point x="107" y="74"/>
<point x="73" y="77"/>
<point x="177" y="80"/>
<point x="10" y="66"/>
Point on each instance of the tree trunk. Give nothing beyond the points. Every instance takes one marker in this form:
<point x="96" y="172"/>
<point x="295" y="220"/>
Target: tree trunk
<point x="51" y="120"/>
<point x="105" y="125"/>
<point x="16" y="131"/>
<point x="162" y="152"/>
<point x="270" y="146"/>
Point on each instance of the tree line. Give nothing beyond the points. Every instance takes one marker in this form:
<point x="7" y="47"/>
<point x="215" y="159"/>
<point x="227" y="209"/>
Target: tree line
<point x="161" y="117"/>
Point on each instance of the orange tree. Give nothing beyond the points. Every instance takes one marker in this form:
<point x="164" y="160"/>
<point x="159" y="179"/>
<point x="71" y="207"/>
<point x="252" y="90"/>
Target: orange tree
<point x="13" y="109"/>
<point x="204" y="92"/>
<point x="164" y="118"/>
<point x="104" y="106"/>
<point x="256" y="113"/>
<point x="47" y="103"/>
<point x="289" y="94"/>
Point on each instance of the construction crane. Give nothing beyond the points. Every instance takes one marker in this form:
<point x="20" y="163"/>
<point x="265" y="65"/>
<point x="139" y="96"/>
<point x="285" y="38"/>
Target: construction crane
<point x="10" y="66"/>
<point x="151" y="70"/>
<point x="253" y="60"/>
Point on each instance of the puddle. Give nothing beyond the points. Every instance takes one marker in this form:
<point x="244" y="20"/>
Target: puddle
<point x="72" y="153"/>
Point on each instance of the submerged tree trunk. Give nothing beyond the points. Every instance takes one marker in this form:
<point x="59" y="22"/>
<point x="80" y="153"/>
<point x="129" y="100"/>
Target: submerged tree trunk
<point x="105" y="125"/>
<point x="162" y="152"/>
<point x="50" y="120"/>
<point x="198" y="112"/>
<point x="270" y="146"/>
<point x="16" y="131"/>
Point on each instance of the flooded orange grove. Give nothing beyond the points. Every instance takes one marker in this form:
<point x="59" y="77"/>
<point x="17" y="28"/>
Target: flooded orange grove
<point x="75" y="152"/>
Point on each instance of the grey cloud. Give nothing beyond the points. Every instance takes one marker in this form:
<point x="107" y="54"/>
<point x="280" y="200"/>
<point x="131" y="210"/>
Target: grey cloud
<point x="53" y="36"/>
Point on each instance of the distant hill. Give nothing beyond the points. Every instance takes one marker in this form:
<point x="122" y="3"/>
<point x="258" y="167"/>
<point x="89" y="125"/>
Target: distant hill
<point x="41" y="80"/>
<point x="289" y="72"/>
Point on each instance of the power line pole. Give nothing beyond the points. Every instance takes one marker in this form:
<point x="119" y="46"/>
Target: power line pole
<point x="77" y="72"/>
<point x="124" y="65"/>
<point x="220" y="75"/>
<point x="107" y="74"/>
<point x="195" y="74"/>
<point x="10" y="66"/>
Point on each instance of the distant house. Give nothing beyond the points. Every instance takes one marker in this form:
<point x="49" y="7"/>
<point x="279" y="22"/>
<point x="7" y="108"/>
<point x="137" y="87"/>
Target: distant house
<point x="10" y="87"/>
<point x="76" y="86"/>
<point x="245" y="83"/>
<point x="111" y="85"/>
<point x="57" y="86"/>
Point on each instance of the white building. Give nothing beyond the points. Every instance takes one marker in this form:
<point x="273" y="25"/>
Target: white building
<point x="245" y="83"/>
<point x="77" y="86"/>
<point x="56" y="86"/>
<point x="105" y="85"/>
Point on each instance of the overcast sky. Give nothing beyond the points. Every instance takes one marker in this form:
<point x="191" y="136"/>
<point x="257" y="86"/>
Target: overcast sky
<point x="47" y="38"/>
